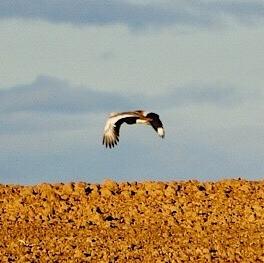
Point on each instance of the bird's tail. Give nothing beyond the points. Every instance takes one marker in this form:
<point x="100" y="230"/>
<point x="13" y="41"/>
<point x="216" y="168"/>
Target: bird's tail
<point x="161" y="132"/>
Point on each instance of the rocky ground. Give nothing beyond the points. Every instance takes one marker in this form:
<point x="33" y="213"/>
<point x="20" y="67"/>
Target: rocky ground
<point x="133" y="222"/>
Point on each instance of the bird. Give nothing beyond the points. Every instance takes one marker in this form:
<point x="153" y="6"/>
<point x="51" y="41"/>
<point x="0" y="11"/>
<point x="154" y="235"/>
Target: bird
<point x="116" y="119"/>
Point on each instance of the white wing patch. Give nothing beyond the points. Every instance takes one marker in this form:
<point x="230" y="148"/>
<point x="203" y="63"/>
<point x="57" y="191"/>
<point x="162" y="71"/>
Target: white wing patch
<point x="110" y="137"/>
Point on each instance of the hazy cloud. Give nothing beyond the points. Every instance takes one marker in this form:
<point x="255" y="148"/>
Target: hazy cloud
<point x="48" y="94"/>
<point x="51" y="104"/>
<point x="202" y="13"/>
<point x="52" y="95"/>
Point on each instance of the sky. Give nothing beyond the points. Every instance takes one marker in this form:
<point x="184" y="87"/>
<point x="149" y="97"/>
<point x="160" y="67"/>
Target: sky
<point x="65" y="65"/>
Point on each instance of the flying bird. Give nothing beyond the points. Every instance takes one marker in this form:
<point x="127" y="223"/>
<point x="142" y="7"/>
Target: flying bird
<point x="115" y="120"/>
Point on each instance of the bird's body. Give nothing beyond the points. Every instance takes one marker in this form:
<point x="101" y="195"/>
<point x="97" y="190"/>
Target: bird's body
<point x="115" y="120"/>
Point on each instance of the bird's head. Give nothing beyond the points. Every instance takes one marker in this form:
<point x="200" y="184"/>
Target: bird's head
<point x="152" y="115"/>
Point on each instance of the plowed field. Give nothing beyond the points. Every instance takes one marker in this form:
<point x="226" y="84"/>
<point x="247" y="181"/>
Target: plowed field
<point x="133" y="222"/>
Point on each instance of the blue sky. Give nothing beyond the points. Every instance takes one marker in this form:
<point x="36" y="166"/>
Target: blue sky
<point x="66" y="64"/>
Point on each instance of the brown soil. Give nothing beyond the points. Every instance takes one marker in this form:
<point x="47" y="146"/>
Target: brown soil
<point x="133" y="222"/>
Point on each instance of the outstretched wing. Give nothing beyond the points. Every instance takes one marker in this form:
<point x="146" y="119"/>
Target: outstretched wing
<point x="112" y="127"/>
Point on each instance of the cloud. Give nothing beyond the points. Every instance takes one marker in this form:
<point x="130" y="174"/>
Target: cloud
<point x="202" y="13"/>
<point x="52" y="95"/>
<point x="96" y="12"/>
<point x="242" y="10"/>
<point x="48" y="94"/>
<point x="54" y="105"/>
<point x="49" y="104"/>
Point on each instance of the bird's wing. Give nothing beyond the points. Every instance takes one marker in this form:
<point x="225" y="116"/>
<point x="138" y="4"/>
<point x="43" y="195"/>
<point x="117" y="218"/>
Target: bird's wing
<point x="112" y="127"/>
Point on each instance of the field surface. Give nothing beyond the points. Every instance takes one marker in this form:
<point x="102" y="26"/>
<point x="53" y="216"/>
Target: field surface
<point x="133" y="222"/>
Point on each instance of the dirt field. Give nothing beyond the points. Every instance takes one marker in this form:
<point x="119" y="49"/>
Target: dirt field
<point x="133" y="222"/>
